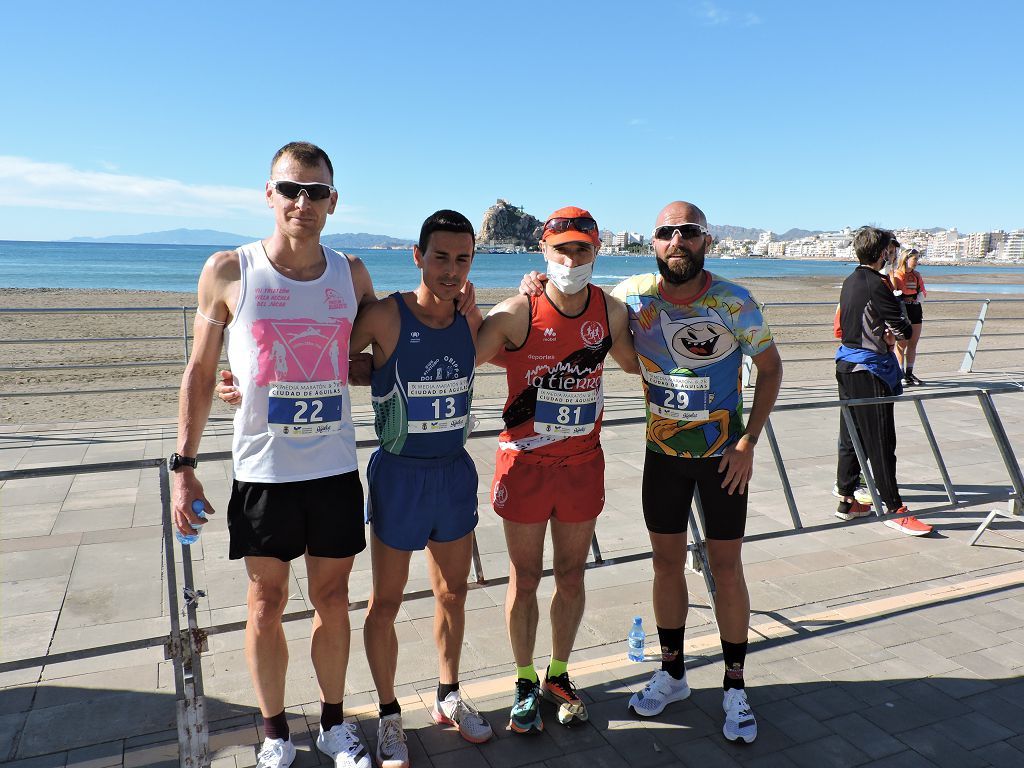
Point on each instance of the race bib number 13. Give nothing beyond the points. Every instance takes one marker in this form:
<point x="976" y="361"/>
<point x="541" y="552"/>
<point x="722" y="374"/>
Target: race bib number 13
<point x="304" y="408"/>
<point x="438" y="406"/>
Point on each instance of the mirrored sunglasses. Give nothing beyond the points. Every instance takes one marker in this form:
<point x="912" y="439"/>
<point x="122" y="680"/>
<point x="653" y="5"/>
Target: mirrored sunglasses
<point x="686" y="231"/>
<point x="563" y="224"/>
<point x="292" y="189"/>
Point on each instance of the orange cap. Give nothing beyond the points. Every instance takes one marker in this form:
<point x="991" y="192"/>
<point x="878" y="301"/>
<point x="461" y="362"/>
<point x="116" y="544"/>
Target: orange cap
<point x="571" y="235"/>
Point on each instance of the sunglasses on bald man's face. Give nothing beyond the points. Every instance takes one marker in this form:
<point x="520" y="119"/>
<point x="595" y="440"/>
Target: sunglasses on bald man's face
<point x="563" y="224"/>
<point x="685" y="231"/>
<point x="292" y="189"/>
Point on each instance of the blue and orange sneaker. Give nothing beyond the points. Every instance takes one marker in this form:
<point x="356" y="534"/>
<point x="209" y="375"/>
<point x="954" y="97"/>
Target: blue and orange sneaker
<point x="562" y="691"/>
<point x="525" y="716"/>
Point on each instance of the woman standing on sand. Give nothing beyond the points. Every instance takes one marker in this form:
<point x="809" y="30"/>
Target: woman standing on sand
<point x="909" y="286"/>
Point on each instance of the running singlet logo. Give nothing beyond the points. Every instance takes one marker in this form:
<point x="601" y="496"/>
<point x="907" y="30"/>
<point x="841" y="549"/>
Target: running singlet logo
<point x="592" y="333"/>
<point x="300" y="350"/>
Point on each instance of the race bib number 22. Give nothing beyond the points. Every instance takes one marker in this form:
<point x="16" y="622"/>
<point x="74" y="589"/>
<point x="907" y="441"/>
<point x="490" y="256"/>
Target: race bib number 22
<point x="304" y="408"/>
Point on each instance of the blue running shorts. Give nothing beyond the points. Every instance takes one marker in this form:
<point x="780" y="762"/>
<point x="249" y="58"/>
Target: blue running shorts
<point x="412" y="500"/>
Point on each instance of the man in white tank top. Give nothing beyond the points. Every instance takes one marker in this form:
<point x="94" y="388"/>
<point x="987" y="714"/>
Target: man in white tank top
<point x="287" y="304"/>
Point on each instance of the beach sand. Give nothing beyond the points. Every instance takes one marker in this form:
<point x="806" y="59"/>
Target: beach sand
<point x="800" y="311"/>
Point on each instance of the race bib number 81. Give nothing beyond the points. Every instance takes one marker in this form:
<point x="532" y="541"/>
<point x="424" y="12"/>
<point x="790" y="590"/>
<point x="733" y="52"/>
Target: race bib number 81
<point x="682" y="398"/>
<point x="304" y="408"/>
<point x="565" y="413"/>
<point x="438" y="406"/>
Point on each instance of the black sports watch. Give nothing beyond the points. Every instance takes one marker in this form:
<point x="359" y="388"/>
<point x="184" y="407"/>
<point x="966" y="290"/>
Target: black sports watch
<point x="176" y="461"/>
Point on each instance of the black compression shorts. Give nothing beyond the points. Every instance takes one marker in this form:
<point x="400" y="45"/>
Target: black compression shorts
<point x="914" y="313"/>
<point x="668" y="491"/>
<point x="323" y="517"/>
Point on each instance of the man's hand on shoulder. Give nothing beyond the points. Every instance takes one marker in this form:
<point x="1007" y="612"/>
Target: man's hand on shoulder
<point x="533" y="283"/>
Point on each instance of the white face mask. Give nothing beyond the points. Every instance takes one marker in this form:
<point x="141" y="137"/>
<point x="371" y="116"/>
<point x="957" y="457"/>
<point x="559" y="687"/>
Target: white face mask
<point x="570" y="279"/>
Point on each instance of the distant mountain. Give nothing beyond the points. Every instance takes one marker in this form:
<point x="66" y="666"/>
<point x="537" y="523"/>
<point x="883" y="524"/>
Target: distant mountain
<point x="173" y="237"/>
<point x="725" y="231"/>
<point x="796" y="234"/>
<point x="364" y="240"/>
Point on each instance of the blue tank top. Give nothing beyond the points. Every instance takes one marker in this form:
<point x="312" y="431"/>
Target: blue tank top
<point x="422" y="394"/>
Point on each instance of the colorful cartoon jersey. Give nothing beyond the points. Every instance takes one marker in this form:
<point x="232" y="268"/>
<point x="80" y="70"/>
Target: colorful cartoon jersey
<point x="691" y="359"/>
<point x="555" y="399"/>
<point x="423" y="392"/>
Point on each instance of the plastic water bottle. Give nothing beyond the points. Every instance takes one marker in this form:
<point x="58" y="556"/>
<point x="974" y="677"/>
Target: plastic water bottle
<point x="636" y="640"/>
<point x="200" y="510"/>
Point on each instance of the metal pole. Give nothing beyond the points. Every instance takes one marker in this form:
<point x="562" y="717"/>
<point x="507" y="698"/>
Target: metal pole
<point x="699" y="548"/>
<point x="184" y="331"/>
<point x="478" y="566"/>
<point x="1002" y="442"/>
<point x="950" y="491"/>
<point x="595" y="549"/>
<point x="862" y="457"/>
<point x="972" y="346"/>
<point x="787" y="489"/>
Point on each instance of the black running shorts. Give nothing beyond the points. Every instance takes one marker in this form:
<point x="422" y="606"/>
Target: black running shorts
<point x="915" y="313"/>
<point x="323" y="517"/>
<point x="668" y="492"/>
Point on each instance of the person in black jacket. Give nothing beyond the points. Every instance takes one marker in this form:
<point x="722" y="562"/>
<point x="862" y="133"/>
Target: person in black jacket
<point x="871" y="319"/>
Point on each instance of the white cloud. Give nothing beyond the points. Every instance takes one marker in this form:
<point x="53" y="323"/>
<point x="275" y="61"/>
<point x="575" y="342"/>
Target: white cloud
<point x="638" y="121"/>
<point x="32" y="184"/>
<point x="714" y="15"/>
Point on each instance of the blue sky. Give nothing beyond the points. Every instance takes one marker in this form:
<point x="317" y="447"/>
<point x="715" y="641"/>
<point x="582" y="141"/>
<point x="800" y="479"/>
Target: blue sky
<point x="132" y="117"/>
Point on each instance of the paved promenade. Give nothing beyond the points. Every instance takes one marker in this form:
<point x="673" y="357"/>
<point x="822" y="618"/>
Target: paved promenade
<point x="868" y="647"/>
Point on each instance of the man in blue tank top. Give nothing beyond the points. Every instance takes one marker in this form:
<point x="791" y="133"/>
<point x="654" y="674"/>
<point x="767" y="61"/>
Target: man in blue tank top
<point x="422" y="482"/>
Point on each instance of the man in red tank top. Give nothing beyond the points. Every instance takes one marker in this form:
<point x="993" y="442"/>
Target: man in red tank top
<point x="550" y="466"/>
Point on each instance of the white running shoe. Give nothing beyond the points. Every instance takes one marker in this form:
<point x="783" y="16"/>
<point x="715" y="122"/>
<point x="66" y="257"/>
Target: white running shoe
<point x="341" y="743"/>
<point x="391" y="749"/>
<point x="739" y="718"/>
<point x="276" y="753"/>
<point x="454" y="711"/>
<point x="860" y="493"/>
<point x="660" y="691"/>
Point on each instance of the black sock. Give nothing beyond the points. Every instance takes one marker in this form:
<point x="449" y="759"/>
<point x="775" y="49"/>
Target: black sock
<point x="672" y="651"/>
<point x="443" y="689"/>
<point x="331" y="715"/>
<point x="844" y="507"/>
<point x="390" y="709"/>
<point x="276" y="727"/>
<point x="733" y="654"/>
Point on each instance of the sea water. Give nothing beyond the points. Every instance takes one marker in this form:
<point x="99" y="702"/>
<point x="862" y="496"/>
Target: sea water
<point x="177" y="267"/>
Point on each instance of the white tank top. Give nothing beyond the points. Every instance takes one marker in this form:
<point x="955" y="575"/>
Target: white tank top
<point x="288" y="347"/>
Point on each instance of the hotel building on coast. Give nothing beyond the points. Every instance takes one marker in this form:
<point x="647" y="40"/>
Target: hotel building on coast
<point x="937" y="245"/>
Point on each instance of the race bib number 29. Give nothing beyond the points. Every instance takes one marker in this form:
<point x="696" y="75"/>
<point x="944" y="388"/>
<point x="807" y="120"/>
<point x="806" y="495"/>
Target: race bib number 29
<point x="304" y="408"/>
<point x="682" y="398"/>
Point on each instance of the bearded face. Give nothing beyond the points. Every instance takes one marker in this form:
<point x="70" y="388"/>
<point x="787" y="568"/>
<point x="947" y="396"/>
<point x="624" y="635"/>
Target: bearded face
<point x="680" y="264"/>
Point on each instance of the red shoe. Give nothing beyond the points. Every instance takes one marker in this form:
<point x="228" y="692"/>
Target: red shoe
<point x="856" y="510"/>
<point x="908" y="524"/>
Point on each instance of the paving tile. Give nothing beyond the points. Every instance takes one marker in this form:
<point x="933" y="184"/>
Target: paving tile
<point x="867" y="736"/>
<point x="934" y="743"/>
<point x="106" y="755"/>
<point x="1001" y="755"/>
<point x="830" y="752"/>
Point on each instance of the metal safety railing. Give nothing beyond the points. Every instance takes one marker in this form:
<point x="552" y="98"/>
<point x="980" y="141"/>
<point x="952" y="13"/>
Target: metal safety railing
<point x="970" y="353"/>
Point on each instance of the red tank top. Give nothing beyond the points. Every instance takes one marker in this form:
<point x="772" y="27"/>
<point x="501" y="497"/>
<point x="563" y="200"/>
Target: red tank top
<point x="555" y="397"/>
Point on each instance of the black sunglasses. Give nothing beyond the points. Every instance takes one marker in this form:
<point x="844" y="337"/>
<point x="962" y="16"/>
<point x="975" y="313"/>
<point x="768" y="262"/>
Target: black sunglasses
<point x="292" y="189"/>
<point x="562" y="224"/>
<point x="686" y="231"/>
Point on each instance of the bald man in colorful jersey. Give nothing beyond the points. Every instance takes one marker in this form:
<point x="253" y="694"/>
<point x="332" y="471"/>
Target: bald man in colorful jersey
<point x="691" y="330"/>
<point x="550" y="465"/>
